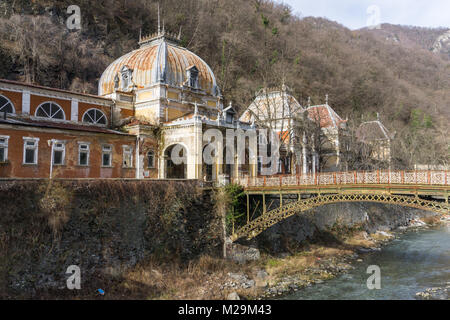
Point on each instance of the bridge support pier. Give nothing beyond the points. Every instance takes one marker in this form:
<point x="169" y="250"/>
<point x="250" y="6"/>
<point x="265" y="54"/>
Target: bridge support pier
<point x="264" y="202"/>
<point x="248" y="208"/>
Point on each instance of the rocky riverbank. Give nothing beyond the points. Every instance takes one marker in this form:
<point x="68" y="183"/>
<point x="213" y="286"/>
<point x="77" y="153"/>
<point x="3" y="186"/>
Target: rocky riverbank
<point x="317" y="263"/>
<point x="439" y="293"/>
<point x="268" y="276"/>
<point x="264" y="276"/>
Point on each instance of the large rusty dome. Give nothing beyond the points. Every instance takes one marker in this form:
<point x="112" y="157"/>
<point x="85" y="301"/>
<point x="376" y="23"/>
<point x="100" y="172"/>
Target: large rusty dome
<point x="159" y="60"/>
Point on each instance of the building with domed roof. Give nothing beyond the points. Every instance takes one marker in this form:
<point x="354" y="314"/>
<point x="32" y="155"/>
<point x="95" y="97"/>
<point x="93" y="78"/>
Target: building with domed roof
<point x="155" y="105"/>
<point x="162" y="80"/>
<point x="158" y="114"/>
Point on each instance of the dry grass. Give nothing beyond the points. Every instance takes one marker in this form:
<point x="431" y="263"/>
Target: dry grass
<point x="298" y="263"/>
<point x="432" y="220"/>
<point x="360" y="239"/>
<point x="202" y="278"/>
<point x="199" y="279"/>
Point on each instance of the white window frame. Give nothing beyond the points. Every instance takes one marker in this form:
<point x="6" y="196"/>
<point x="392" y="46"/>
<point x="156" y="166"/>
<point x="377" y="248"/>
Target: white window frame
<point x="35" y="147"/>
<point x="87" y="150"/>
<point x="4" y="145"/>
<point x="127" y="151"/>
<point x="151" y="165"/>
<point x="108" y="151"/>
<point x="50" y="116"/>
<point x="62" y="148"/>
<point x="8" y="101"/>
<point x="95" y="121"/>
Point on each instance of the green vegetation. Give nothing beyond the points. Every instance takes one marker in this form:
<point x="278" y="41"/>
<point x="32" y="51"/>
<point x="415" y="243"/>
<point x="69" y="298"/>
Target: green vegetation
<point x="236" y="206"/>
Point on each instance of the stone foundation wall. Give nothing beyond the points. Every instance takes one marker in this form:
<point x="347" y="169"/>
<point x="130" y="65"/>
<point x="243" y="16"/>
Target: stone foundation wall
<point x="104" y="227"/>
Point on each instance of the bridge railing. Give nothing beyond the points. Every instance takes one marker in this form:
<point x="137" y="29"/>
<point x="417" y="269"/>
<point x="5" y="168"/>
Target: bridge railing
<point x="352" y="177"/>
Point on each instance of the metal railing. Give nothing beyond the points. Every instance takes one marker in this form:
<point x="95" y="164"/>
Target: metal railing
<point x="388" y="177"/>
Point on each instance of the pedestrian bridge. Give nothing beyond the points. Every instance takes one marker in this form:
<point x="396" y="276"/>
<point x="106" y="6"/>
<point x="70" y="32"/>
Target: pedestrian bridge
<point x="427" y="190"/>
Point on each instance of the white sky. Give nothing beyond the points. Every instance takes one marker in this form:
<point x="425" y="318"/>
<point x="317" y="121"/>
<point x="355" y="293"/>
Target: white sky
<point x="353" y="13"/>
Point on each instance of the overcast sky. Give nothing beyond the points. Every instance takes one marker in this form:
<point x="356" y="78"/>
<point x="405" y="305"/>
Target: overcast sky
<point x="353" y="13"/>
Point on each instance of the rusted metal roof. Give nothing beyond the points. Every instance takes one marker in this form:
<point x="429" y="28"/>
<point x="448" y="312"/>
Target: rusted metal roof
<point x="325" y="115"/>
<point x="58" y="125"/>
<point x="271" y="105"/>
<point x="158" y="61"/>
<point x="30" y="85"/>
<point x="372" y="130"/>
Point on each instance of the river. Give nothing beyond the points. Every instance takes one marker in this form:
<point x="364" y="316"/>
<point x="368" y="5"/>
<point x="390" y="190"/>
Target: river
<point x="413" y="262"/>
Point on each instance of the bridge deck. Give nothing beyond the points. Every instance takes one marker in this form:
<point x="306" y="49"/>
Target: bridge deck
<point x="424" y="183"/>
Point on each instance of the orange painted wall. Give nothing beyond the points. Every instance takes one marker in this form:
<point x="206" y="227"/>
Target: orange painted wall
<point x="35" y="101"/>
<point x="126" y="113"/>
<point x="83" y="107"/>
<point x="15" y="168"/>
<point x="145" y="148"/>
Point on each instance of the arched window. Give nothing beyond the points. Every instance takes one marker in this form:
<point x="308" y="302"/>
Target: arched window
<point x="50" y="110"/>
<point x="94" y="116"/>
<point x="150" y="159"/>
<point x="6" y="105"/>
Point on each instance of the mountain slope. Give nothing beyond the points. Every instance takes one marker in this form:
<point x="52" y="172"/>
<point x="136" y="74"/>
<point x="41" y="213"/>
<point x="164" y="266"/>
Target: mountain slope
<point x="248" y="44"/>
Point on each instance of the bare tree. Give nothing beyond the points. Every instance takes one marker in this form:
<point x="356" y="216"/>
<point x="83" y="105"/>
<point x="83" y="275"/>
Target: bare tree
<point x="311" y="137"/>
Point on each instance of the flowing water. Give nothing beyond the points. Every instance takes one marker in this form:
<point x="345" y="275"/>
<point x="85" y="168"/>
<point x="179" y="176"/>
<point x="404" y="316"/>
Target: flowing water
<point x="413" y="262"/>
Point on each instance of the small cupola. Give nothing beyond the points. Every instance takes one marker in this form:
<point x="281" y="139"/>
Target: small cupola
<point x="126" y="75"/>
<point x="192" y="77"/>
<point x="229" y="113"/>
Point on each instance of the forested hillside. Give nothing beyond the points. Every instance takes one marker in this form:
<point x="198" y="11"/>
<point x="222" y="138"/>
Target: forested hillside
<point x="248" y="44"/>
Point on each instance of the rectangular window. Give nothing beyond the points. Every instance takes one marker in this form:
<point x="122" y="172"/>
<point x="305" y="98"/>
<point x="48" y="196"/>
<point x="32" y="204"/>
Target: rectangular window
<point x="59" y="152"/>
<point x="30" y="150"/>
<point x="127" y="156"/>
<point x="262" y="138"/>
<point x="280" y="166"/>
<point x="106" y="156"/>
<point x="229" y="117"/>
<point x="83" y="154"/>
<point x="150" y="159"/>
<point x="259" y="165"/>
<point x="4" y="148"/>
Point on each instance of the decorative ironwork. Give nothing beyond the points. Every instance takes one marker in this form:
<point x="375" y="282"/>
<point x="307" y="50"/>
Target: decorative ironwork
<point x="258" y="225"/>
<point x="357" y="177"/>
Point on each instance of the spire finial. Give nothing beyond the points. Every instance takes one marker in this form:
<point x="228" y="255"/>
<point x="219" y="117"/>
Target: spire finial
<point x="140" y="34"/>
<point x="163" y="29"/>
<point x="378" y="116"/>
<point x="159" y="21"/>
<point x="179" y="34"/>
<point x="309" y="101"/>
<point x="326" y="99"/>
